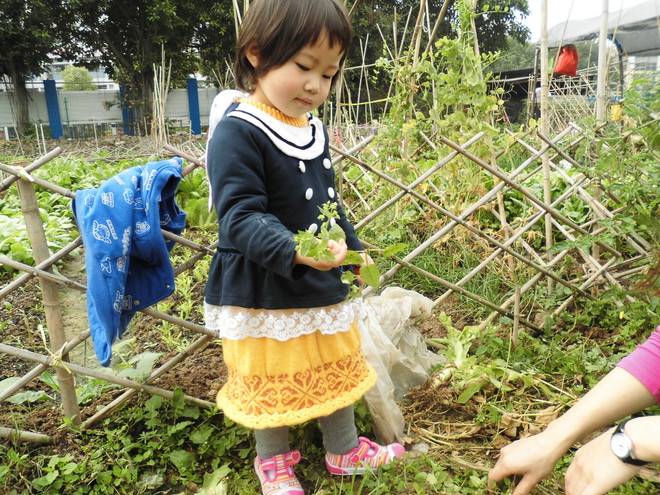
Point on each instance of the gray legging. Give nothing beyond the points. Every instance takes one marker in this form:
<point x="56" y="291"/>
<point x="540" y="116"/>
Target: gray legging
<point x="339" y="435"/>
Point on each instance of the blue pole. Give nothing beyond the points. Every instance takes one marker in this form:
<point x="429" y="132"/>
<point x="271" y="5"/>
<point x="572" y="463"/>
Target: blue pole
<point x="193" y="106"/>
<point x="53" y="107"/>
<point x="127" y="114"/>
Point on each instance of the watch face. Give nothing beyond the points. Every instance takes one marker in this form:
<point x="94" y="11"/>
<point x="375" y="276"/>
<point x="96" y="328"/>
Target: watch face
<point x="620" y="445"/>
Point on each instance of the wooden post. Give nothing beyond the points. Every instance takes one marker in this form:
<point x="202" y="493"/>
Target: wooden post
<point x="602" y="64"/>
<point x="52" y="306"/>
<point x="545" y="125"/>
<point x="516" y="318"/>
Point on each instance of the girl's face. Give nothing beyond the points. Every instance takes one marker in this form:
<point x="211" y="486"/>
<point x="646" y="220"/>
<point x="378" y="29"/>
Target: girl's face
<point x="302" y="83"/>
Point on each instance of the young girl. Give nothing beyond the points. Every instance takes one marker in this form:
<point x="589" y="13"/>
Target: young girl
<point x="290" y="340"/>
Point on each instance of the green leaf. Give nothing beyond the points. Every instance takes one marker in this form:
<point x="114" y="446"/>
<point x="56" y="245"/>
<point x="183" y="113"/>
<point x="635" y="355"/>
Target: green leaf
<point x="215" y="483"/>
<point x="370" y="275"/>
<point x="202" y="435"/>
<point x="394" y="249"/>
<point x="182" y="459"/>
<point x="46" y="480"/>
<point x="153" y="404"/>
<point x="337" y="233"/>
<point x="353" y="258"/>
<point x="469" y="391"/>
<point x="22" y="397"/>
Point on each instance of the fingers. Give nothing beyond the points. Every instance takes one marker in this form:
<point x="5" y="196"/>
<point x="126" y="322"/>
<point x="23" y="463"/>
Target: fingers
<point x="525" y="486"/>
<point x="339" y="250"/>
<point x="498" y="473"/>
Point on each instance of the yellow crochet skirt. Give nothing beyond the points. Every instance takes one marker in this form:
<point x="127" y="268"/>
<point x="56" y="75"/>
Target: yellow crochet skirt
<point x="272" y="383"/>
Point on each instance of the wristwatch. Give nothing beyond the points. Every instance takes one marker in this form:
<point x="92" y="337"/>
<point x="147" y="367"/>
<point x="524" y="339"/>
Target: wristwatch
<point x="622" y="446"/>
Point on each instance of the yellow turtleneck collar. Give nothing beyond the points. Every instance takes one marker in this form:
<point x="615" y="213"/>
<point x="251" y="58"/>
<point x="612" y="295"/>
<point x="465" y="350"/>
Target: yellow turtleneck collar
<point x="302" y="121"/>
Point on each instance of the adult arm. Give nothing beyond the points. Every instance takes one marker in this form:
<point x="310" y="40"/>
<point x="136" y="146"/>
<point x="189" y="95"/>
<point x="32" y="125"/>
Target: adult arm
<point x="595" y="469"/>
<point x="617" y="395"/>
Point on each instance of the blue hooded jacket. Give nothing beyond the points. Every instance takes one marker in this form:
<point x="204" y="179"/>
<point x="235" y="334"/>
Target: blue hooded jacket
<point x="126" y="256"/>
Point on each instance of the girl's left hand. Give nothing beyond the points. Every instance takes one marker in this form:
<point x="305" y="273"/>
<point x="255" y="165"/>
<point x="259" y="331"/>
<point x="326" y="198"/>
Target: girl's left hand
<point x="339" y="250"/>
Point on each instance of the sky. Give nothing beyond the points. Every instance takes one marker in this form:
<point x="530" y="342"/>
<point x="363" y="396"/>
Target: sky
<point x="558" y="11"/>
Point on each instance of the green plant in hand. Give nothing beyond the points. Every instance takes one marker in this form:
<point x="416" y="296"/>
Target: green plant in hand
<point x="315" y="245"/>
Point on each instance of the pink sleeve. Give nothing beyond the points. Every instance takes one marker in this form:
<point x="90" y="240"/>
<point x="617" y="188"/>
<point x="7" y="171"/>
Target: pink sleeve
<point x="644" y="363"/>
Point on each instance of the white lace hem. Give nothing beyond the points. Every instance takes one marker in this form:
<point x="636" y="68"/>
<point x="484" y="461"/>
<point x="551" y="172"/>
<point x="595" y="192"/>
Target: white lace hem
<point x="236" y="323"/>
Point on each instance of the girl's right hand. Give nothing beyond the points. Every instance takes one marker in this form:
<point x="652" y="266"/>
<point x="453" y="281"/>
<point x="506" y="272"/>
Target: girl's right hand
<point x="339" y="249"/>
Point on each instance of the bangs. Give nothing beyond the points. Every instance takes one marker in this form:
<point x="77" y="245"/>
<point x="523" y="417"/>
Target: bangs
<point x="279" y="29"/>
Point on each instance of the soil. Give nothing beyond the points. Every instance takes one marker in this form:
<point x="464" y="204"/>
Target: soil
<point x="200" y="375"/>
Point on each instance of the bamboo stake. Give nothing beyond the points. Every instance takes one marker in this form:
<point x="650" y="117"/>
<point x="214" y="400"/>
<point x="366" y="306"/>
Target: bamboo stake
<point x="23" y="381"/>
<point x="633" y="239"/>
<point x="417" y="33"/>
<point x="78" y="286"/>
<point x="591" y="260"/>
<point x="438" y="21"/>
<point x="83" y="370"/>
<point x="366" y="220"/>
<point x="516" y="318"/>
<point x="602" y="63"/>
<point x="461" y="290"/>
<point x="526" y="193"/>
<point x="464" y="223"/>
<point x="52" y="307"/>
<point x="39" y="369"/>
<point x="188" y="351"/>
<point x="19" y="281"/>
<point x="525" y="287"/>
<point x="545" y="114"/>
<point x="41" y="273"/>
<point x="70" y="194"/>
<point x="516" y="237"/>
<point x="25" y="436"/>
<point x="570" y="160"/>
<point x="585" y="285"/>
<point x="31" y="167"/>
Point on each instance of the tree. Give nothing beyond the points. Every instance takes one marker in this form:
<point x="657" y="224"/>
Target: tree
<point x="517" y="56"/>
<point x="129" y="37"/>
<point x="388" y="26"/>
<point x="29" y="31"/>
<point x="77" y="79"/>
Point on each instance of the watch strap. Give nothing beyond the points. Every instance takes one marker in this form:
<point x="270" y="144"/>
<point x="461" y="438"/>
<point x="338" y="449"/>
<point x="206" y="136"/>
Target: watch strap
<point x="629" y="459"/>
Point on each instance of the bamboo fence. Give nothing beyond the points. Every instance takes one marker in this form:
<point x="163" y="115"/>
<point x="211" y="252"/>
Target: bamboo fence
<point x="607" y="270"/>
<point x="358" y="181"/>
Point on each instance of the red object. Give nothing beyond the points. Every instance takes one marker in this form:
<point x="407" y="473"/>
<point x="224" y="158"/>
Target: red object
<point x="567" y="61"/>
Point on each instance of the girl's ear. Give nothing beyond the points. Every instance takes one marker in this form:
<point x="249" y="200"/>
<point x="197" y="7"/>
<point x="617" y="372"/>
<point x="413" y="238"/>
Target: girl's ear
<point x="253" y="55"/>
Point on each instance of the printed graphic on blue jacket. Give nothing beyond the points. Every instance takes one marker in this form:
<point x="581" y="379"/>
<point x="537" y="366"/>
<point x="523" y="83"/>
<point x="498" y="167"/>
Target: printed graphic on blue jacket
<point x="126" y="256"/>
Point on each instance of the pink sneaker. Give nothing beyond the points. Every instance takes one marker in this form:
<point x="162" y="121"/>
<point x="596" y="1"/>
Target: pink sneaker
<point x="367" y="455"/>
<point x="276" y="474"/>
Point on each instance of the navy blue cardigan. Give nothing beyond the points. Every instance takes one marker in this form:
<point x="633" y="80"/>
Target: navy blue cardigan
<point x="267" y="181"/>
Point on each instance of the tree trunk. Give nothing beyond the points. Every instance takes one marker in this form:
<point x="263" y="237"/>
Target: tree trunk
<point x="20" y="100"/>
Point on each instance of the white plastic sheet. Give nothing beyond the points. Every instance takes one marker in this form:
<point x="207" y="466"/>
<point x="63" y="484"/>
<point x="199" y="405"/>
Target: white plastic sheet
<point x="396" y="350"/>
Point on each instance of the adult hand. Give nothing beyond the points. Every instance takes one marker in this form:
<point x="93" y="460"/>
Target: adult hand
<point x="596" y="470"/>
<point x="532" y="457"/>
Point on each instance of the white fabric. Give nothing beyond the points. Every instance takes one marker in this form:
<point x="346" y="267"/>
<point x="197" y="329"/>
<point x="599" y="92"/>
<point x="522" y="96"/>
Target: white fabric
<point x="304" y="143"/>
<point x="235" y="323"/>
<point x="221" y="103"/>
